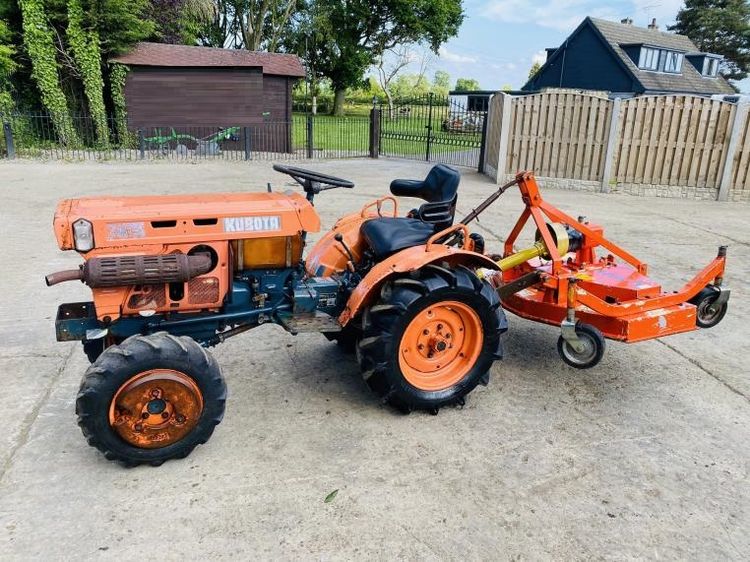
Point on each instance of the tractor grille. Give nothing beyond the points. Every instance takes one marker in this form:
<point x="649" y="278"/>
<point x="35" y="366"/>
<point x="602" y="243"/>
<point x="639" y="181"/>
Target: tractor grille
<point x="150" y="297"/>
<point x="203" y="290"/>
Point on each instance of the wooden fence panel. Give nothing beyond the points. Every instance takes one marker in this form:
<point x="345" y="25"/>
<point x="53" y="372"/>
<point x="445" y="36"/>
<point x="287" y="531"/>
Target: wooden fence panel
<point x="494" y="126"/>
<point x="741" y="169"/>
<point x="559" y="135"/>
<point x="673" y="140"/>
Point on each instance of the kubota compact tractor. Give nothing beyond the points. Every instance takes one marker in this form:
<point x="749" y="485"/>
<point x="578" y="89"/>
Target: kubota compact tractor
<point x="416" y="295"/>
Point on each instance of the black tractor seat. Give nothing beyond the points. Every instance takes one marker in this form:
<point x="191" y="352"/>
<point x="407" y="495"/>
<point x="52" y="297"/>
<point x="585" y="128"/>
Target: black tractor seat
<point x="391" y="234"/>
<point x="439" y="190"/>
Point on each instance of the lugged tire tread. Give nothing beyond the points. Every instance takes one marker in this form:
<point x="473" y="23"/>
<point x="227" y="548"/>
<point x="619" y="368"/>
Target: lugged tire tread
<point x="383" y="317"/>
<point x="113" y="359"/>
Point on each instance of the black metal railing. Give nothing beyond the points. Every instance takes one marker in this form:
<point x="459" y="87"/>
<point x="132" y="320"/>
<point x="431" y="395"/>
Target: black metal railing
<point x="423" y="128"/>
<point x="434" y="128"/>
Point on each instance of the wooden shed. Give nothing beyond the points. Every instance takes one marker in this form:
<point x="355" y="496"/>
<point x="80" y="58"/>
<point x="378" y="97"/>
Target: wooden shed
<point x="200" y="89"/>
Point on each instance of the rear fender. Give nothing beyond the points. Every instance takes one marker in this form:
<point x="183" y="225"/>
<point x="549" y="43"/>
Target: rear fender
<point x="405" y="261"/>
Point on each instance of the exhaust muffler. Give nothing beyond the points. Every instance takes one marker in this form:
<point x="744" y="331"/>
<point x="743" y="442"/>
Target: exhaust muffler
<point x="135" y="270"/>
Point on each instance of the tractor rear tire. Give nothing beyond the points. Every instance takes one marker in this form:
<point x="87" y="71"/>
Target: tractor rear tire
<point x="431" y="338"/>
<point x="346" y="338"/>
<point x="151" y="399"/>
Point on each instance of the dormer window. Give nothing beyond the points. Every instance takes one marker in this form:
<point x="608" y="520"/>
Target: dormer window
<point x="706" y="63"/>
<point x="649" y="59"/>
<point x="659" y="60"/>
<point x="672" y="62"/>
<point x="710" y="67"/>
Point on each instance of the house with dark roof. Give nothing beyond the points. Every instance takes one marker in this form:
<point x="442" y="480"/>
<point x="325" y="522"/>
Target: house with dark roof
<point x="626" y="60"/>
<point x="200" y="89"/>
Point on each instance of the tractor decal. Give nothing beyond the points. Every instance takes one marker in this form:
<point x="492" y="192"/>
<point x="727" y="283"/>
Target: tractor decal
<point x="252" y="224"/>
<point x="126" y="230"/>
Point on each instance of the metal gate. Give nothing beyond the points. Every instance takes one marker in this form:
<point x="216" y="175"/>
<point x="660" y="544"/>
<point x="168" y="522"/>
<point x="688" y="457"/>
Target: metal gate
<point x="435" y="129"/>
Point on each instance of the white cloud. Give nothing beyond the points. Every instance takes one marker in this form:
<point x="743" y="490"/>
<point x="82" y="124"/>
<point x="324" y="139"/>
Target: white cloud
<point x="503" y="66"/>
<point x="663" y="10"/>
<point x="448" y="56"/>
<point x="539" y="57"/>
<point x="563" y="15"/>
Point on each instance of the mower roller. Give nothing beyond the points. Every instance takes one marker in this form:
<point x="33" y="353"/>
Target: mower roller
<point x="416" y="296"/>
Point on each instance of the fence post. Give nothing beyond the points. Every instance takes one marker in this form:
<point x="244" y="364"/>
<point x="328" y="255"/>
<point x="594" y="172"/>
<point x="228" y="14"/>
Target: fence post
<point x="429" y="128"/>
<point x="502" y="157"/>
<point x="740" y="113"/>
<point x="609" y="154"/>
<point x="248" y="147"/>
<point x="310" y="142"/>
<point x="374" y="132"/>
<point x="9" y="140"/>
<point x="483" y="142"/>
<point x="141" y="144"/>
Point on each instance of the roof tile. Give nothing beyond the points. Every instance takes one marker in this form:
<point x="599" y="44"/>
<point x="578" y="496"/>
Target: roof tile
<point x="690" y="80"/>
<point x="160" y="54"/>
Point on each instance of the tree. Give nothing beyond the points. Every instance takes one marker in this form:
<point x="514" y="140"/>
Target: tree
<point x="341" y="39"/>
<point x="84" y="42"/>
<point x="409" y="85"/>
<point x="467" y="85"/>
<point x="240" y="24"/>
<point x="39" y="43"/>
<point x="721" y="27"/>
<point x="7" y="66"/>
<point x="534" y="69"/>
<point x="441" y="83"/>
<point x="398" y="59"/>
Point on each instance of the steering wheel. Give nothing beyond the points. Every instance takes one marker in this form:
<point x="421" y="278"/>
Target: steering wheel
<point x="311" y="181"/>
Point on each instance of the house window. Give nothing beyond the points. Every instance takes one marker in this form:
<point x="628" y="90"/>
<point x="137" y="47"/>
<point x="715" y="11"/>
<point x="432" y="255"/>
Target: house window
<point x="673" y="62"/>
<point x="710" y="66"/>
<point x="649" y="59"/>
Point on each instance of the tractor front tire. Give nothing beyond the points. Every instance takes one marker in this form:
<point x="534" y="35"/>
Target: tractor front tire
<point x="431" y="338"/>
<point x="151" y="399"/>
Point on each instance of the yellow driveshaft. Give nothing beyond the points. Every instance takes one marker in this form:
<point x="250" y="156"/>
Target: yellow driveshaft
<point x="539" y="249"/>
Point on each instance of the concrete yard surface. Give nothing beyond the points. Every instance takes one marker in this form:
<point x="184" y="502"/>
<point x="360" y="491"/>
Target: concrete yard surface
<point x="645" y="456"/>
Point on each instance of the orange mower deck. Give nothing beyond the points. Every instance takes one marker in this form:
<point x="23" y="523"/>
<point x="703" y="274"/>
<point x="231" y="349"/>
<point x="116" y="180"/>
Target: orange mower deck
<point x="563" y="281"/>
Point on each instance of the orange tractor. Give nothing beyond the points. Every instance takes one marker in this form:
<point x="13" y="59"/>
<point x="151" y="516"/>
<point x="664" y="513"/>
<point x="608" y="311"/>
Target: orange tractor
<point x="416" y="296"/>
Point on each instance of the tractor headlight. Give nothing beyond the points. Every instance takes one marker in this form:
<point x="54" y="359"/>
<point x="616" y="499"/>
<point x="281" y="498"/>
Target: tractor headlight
<point x="83" y="235"/>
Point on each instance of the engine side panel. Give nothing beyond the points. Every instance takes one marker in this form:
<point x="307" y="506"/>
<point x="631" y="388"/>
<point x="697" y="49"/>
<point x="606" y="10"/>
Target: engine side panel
<point x="120" y="222"/>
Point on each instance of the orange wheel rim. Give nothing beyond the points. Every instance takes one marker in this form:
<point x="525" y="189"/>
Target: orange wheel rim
<point x="156" y="408"/>
<point x="440" y="345"/>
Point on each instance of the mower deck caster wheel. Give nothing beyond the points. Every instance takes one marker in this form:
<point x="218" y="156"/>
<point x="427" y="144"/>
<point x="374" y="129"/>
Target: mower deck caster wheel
<point x="593" y="343"/>
<point x="708" y="313"/>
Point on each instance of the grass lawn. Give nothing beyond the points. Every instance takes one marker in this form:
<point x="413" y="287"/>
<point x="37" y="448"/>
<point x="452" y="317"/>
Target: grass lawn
<point x="402" y="136"/>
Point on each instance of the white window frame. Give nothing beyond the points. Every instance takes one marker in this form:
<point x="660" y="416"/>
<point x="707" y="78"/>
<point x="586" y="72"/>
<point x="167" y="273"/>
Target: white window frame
<point x="710" y="67"/>
<point x="674" y="57"/>
<point x="649" y="58"/>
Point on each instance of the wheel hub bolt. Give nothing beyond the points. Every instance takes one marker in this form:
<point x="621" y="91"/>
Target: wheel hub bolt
<point x="165" y="415"/>
<point x="426" y="332"/>
<point x="144" y="415"/>
<point x="138" y="427"/>
<point x="180" y="418"/>
<point x="441" y="346"/>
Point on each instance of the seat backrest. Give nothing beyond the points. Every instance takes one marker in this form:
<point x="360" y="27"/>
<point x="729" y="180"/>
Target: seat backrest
<point x="440" y="191"/>
<point x="441" y="184"/>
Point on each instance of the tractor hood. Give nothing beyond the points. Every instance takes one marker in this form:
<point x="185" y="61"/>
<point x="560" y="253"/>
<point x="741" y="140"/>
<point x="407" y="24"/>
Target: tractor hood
<point x="108" y="222"/>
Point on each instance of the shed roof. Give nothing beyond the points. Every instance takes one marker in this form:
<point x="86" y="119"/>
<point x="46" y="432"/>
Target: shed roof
<point x="689" y="80"/>
<point x="160" y="54"/>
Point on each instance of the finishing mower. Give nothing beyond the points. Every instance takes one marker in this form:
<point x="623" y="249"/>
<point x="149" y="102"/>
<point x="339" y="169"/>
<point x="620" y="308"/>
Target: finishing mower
<point x="415" y="296"/>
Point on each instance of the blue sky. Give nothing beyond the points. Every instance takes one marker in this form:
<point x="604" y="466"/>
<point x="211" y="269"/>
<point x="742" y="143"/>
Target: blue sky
<point x="500" y="39"/>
